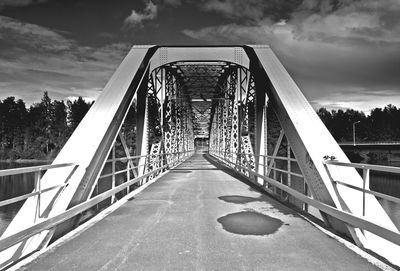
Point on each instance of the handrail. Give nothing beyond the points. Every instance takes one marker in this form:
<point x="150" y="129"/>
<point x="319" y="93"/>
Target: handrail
<point x="352" y="219"/>
<point x="25" y="196"/>
<point x="364" y="166"/>
<point x="56" y="220"/>
<point x="296" y="174"/>
<point x="24" y="170"/>
<point x="372" y="192"/>
<point x="141" y="156"/>
<point x="366" y="174"/>
<point x="15" y="171"/>
<point x="36" y="170"/>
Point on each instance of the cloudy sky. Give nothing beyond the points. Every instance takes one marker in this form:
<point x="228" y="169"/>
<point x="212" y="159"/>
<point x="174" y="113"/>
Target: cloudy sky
<point x="342" y="53"/>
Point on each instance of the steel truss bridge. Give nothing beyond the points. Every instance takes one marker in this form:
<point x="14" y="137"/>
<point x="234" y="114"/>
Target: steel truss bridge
<point x="164" y="103"/>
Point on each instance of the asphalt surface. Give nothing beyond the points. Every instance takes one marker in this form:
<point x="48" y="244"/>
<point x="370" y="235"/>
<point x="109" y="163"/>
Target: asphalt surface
<point x="200" y="217"/>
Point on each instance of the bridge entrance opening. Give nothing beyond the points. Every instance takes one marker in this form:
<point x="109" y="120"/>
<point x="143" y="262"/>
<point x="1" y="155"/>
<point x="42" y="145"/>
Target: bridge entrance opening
<point x="201" y="145"/>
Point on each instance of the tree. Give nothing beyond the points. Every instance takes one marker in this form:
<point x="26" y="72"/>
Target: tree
<point x="59" y="129"/>
<point x="12" y="125"/>
<point x="326" y="117"/>
<point x="77" y="109"/>
<point x="41" y="131"/>
<point x="39" y="128"/>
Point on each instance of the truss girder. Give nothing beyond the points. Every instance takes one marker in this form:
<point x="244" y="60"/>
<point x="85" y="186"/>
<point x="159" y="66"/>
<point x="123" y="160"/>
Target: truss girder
<point x="178" y="88"/>
<point x="88" y="146"/>
<point x="310" y="141"/>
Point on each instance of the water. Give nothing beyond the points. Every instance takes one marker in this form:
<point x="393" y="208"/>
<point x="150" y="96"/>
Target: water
<point x="13" y="186"/>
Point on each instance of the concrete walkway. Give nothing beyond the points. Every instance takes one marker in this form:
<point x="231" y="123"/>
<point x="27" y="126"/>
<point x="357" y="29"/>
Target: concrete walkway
<point x="199" y="217"/>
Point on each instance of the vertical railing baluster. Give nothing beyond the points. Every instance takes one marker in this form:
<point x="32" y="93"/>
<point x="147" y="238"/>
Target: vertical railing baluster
<point x="128" y="176"/>
<point x="38" y="189"/>
<point x="264" y="169"/>
<point x="365" y="182"/>
<point x="289" y="165"/>
<point x="113" y="173"/>
<point x="274" y="175"/>
<point x="289" y="168"/>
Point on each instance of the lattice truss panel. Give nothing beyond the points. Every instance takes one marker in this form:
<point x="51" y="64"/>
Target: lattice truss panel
<point x="233" y="135"/>
<point x="231" y="117"/>
<point x="172" y="120"/>
<point x="170" y="126"/>
<point x="178" y="111"/>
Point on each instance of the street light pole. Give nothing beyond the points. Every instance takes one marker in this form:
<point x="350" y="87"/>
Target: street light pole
<point x="354" y="132"/>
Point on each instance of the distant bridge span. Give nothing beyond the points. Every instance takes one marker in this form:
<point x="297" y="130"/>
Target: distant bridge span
<point x="161" y="100"/>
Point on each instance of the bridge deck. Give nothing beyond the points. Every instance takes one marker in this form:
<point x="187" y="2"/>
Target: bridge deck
<point x="185" y="221"/>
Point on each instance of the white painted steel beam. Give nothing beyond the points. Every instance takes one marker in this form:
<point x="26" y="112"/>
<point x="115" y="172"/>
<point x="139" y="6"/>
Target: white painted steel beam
<point x="88" y="147"/>
<point x="311" y="141"/>
<point x="166" y="55"/>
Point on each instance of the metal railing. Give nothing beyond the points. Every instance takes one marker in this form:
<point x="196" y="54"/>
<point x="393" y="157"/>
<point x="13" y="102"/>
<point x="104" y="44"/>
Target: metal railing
<point x="347" y="217"/>
<point x="49" y="223"/>
<point x="366" y="178"/>
<point x="38" y="191"/>
<point x="133" y="166"/>
<point x="267" y="166"/>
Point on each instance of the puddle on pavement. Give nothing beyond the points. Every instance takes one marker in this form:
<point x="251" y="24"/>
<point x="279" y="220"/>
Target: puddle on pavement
<point x="238" y="199"/>
<point x="250" y="223"/>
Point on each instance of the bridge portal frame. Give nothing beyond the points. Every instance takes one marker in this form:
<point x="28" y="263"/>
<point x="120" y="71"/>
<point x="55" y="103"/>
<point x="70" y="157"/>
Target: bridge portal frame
<point x="309" y="139"/>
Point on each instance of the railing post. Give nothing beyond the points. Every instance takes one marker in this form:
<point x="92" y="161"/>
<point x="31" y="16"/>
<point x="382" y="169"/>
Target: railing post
<point x="289" y="168"/>
<point x="38" y="189"/>
<point x="264" y="170"/>
<point x="128" y="176"/>
<point x="113" y="173"/>
<point x="365" y="182"/>
<point x="274" y="175"/>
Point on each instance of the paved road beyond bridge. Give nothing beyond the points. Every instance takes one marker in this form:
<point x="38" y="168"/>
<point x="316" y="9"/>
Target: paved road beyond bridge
<point x="200" y="216"/>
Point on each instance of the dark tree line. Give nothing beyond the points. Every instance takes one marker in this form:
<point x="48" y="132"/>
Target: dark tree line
<point x="40" y="131"/>
<point x="381" y="125"/>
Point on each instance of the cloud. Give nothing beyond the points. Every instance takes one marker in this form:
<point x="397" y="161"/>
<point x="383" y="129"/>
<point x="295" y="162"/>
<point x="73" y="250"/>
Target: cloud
<point x="136" y="18"/>
<point x="174" y="3"/>
<point x="250" y="10"/>
<point x="236" y="8"/>
<point x="317" y="20"/>
<point x="329" y="47"/>
<point x="368" y="20"/>
<point x="230" y="34"/>
<point x="19" y="3"/>
<point x="36" y="59"/>
<point x="31" y="35"/>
